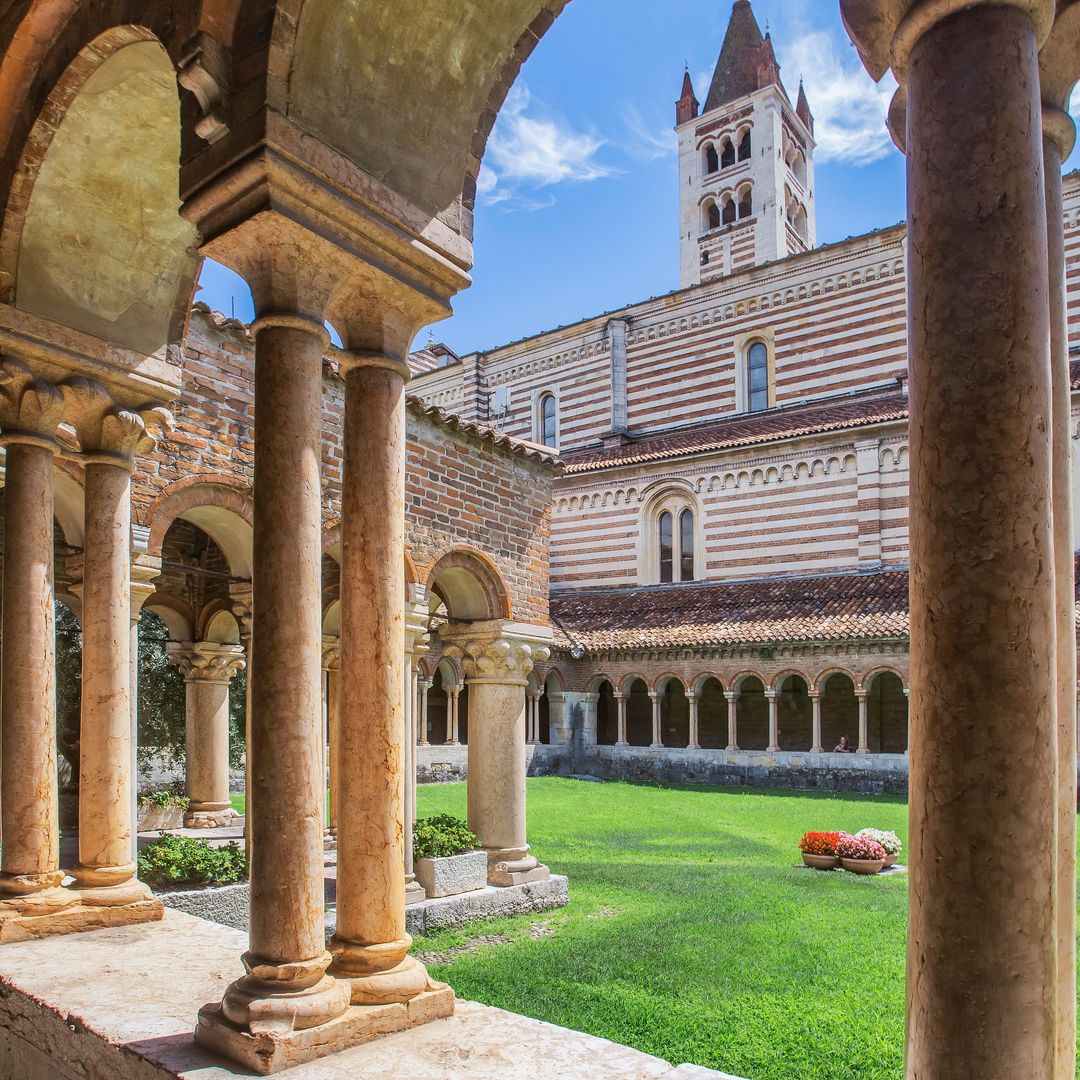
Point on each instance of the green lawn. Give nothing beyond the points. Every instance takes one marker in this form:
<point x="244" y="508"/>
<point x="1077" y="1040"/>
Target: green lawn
<point x="693" y="935"/>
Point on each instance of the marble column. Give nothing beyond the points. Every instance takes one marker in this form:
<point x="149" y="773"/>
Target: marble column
<point x="331" y="660"/>
<point x="452" y="693"/>
<point x="620" y="703"/>
<point x="30" y="868"/>
<point x="559" y="721"/>
<point x="657" y="736"/>
<point x="207" y="668"/>
<point x="815" y="705"/>
<point x="864" y="733"/>
<point x="982" y="936"/>
<point x="286" y="992"/>
<point x="532" y="718"/>
<point x="370" y="947"/>
<point x="694" y="742"/>
<point x="732" y="698"/>
<point x="414" y="891"/>
<point x="497" y="663"/>
<point x="423" y="686"/>
<point x="774" y="724"/>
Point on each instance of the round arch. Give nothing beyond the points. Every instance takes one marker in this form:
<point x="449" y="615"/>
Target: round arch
<point x="469" y="584"/>
<point x="220" y="506"/>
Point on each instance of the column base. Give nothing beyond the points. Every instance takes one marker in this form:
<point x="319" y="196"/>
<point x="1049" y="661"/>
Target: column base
<point x="862" y="753"/>
<point x="209" y="819"/>
<point x="414" y="892"/>
<point x="56" y="911"/>
<point x="817" y="750"/>
<point x="731" y="748"/>
<point x="514" y="866"/>
<point x="772" y="749"/>
<point x="656" y="746"/>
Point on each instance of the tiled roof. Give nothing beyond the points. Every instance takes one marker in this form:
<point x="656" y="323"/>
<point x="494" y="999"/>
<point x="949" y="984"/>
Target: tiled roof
<point x="740" y="57"/>
<point x="839" y="607"/>
<point x="744" y="430"/>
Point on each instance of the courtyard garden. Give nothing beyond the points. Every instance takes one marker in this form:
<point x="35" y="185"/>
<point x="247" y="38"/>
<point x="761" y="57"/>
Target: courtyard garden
<point x="694" y="933"/>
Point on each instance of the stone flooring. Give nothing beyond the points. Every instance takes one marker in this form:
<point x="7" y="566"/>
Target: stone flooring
<point x="120" y="1004"/>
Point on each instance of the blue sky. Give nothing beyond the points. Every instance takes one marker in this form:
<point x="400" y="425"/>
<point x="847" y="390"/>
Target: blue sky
<point x="578" y="208"/>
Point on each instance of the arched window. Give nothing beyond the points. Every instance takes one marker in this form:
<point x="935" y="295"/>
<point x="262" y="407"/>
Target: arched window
<point x="728" y="216"/>
<point x="713" y="217"/>
<point x="727" y="154"/>
<point x="744" y="147"/>
<point x="547" y="420"/>
<point x="757" y="377"/>
<point x="686" y="545"/>
<point x="667" y="547"/>
<point x="746" y="204"/>
<point x="712" y="160"/>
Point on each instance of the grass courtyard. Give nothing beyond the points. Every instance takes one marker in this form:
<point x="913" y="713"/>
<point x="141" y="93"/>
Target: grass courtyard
<point x="693" y="934"/>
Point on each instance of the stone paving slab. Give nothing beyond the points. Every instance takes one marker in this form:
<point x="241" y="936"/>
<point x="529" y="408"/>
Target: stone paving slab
<point x="120" y="1004"/>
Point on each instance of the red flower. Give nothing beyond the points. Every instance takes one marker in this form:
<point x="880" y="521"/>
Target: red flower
<point x="820" y="843"/>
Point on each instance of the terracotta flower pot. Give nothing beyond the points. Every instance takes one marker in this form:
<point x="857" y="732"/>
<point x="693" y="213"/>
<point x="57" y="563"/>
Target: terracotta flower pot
<point x="863" y="866"/>
<point x="890" y="860"/>
<point x="821" y="862"/>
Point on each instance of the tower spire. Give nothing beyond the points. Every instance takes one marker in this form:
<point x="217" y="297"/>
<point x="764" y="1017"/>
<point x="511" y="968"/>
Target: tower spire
<point x="746" y="62"/>
<point x="686" y="108"/>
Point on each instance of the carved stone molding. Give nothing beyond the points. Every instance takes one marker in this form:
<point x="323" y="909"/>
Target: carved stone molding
<point x="103" y="427"/>
<point x="488" y="652"/>
<point x="206" y="661"/>
<point x="331" y="653"/>
<point x="28" y="406"/>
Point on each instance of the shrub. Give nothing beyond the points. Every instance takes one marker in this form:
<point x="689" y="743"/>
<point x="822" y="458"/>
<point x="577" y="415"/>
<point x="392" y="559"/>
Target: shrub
<point x="165" y="799"/>
<point x="441" y="836"/>
<point x="178" y="862"/>
<point x="859" y="847"/>
<point x="888" y="840"/>
<point x="819" y="843"/>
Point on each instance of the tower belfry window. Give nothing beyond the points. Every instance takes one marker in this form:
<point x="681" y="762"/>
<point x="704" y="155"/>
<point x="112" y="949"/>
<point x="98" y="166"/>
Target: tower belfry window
<point x="746" y="204"/>
<point x="714" y="216"/>
<point x="712" y="161"/>
<point x="727" y="155"/>
<point x="729" y="212"/>
<point x="744" y="147"/>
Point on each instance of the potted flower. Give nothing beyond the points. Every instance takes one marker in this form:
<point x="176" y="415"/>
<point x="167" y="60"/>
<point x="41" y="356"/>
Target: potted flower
<point x="888" y="840"/>
<point x="860" y="854"/>
<point x="819" y="849"/>
<point x="447" y="861"/>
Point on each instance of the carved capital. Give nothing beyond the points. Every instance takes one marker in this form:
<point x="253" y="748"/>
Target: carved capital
<point x="331" y="653"/>
<point x="28" y="406"/>
<point x="206" y="661"/>
<point x="496" y="659"/>
<point x="108" y="429"/>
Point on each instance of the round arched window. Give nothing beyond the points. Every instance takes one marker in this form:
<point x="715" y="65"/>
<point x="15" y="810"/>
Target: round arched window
<point x="757" y="377"/>
<point x="547" y="420"/>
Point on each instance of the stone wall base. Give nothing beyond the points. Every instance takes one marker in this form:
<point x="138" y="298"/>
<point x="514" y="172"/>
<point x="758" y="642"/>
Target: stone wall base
<point x="444" y="911"/>
<point x="228" y="905"/>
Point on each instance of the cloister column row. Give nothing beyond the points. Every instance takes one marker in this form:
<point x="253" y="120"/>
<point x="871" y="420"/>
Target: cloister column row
<point x="106" y="891"/>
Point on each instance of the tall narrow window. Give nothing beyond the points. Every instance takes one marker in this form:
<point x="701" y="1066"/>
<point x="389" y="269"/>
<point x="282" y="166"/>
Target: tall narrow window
<point x="547" y="419"/>
<point x="667" y="554"/>
<point x="714" y="216"/>
<point x="686" y="545"/>
<point x="712" y="161"/>
<point x="757" y="381"/>
<point x="727" y="154"/>
<point x="746" y="204"/>
<point x="744" y="147"/>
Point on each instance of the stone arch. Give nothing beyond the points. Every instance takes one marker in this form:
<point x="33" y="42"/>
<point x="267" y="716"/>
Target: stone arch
<point x="674" y="711"/>
<point x="638" y="711"/>
<point x="607" y="712"/>
<point x="468" y="583"/>
<point x="331" y="624"/>
<point x="886" y="712"/>
<point x="174" y="613"/>
<point x="794" y="712"/>
<point x="712" y="710"/>
<point x="95" y="241"/>
<point x="839" y="710"/>
<point x="220" y="506"/>
<point x="218" y="623"/>
<point x="751" y="712"/>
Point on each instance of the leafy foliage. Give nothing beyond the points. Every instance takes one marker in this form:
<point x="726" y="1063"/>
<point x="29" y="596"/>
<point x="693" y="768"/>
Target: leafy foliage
<point x="441" y="836"/>
<point x="179" y="862"/>
<point x="68" y="694"/>
<point x="164" y="799"/>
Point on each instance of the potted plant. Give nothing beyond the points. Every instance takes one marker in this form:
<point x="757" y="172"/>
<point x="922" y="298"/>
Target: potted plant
<point x="161" y="810"/>
<point x="819" y="850"/>
<point x="860" y="854"/>
<point x="888" y="840"/>
<point x="447" y="861"/>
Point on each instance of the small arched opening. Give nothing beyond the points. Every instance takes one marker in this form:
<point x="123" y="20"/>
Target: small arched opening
<point x="638" y="714"/>
<point x="607" y="714"/>
<point x="887" y="714"/>
<point x="712" y="160"/>
<point x="727" y="154"/>
<point x="794" y="714"/>
<point x="712" y="715"/>
<point x="752" y="715"/>
<point x="674" y="714"/>
<point x="839" y="714"/>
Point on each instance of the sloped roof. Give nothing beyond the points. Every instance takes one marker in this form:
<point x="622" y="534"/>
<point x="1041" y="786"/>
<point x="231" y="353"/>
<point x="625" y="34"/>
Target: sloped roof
<point x="744" y="429"/>
<point x="839" y="607"/>
<point x="736" y="72"/>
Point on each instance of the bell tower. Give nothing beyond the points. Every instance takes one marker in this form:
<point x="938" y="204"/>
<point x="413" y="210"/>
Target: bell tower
<point x="746" y="161"/>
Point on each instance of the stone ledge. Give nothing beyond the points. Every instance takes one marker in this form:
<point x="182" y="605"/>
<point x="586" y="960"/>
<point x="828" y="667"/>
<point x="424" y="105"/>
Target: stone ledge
<point x="122" y="1003"/>
<point x="446" y="911"/>
<point x="229" y="905"/>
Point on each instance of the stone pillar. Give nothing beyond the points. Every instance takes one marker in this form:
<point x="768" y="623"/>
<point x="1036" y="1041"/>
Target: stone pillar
<point x="815" y="704"/>
<point x="497" y="659"/>
<point x="907" y="701"/>
<point x="774" y="725"/>
<point x="331" y="661"/>
<point x="416" y="644"/>
<point x="693" y="743"/>
<point x="732" y="697"/>
<point x="452" y="714"/>
<point x="559" y="720"/>
<point x="207" y="667"/>
<point x="286" y="993"/>
<point x="144" y="570"/>
<point x="657" y="740"/>
<point x="620" y="702"/>
<point x="30" y="870"/>
<point x="423" y="686"/>
<point x="982" y="935"/>
<point x="864" y="733"/>
<point x="370" y="947"/>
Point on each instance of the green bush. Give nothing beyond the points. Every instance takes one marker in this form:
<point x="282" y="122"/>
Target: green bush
<point x="441" y="836"/>
<point x="180" y="862"/>
<point x="165" y="799"/>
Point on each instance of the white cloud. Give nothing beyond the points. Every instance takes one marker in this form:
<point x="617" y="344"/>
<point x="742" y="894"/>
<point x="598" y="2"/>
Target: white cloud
<point x="1074" y="102"/>
<point x="527" y="151"/>
<point x="647" y="143"/>
<point x="849" y="109"/>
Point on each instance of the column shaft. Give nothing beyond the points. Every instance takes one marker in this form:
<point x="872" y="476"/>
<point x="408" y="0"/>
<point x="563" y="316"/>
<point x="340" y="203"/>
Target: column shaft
<point x="452" y="714"/>
<point x="620" y="700"/>
<point x="693" y="743"/>
<point x="657" y="741"/>
<point x="774" y="722"/>
<point x="982" y="588"/>
<point x="864" y="731"/>
<point x="424" y="685"/>
<point x="207" y="743"/>
<point x="815" y="704"/>
<point x="333" y="714"/>
<point x="29" y="788"/>
<point x="105" y="827"/>
<point x="732" y="697"/>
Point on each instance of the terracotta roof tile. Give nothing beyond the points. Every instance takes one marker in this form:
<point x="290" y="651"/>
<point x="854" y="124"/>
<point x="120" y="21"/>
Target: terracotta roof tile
<point x="839" y="607"/>
<point x="744" y="430"/>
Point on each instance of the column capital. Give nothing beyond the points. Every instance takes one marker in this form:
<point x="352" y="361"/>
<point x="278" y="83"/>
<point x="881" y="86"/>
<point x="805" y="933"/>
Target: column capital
<point x="861" y="693"/>
<point x="331" y="652"/>
<point x="731" y="695"/>
<point x="291" y="321"/>
<point x="110" y="433"/>
<point x="495" y="651"/>
<point x="813" y="695"/>
<point x="206" y="661"/>
<point x="31" y="409"/>
<point x="772" y="694"/>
